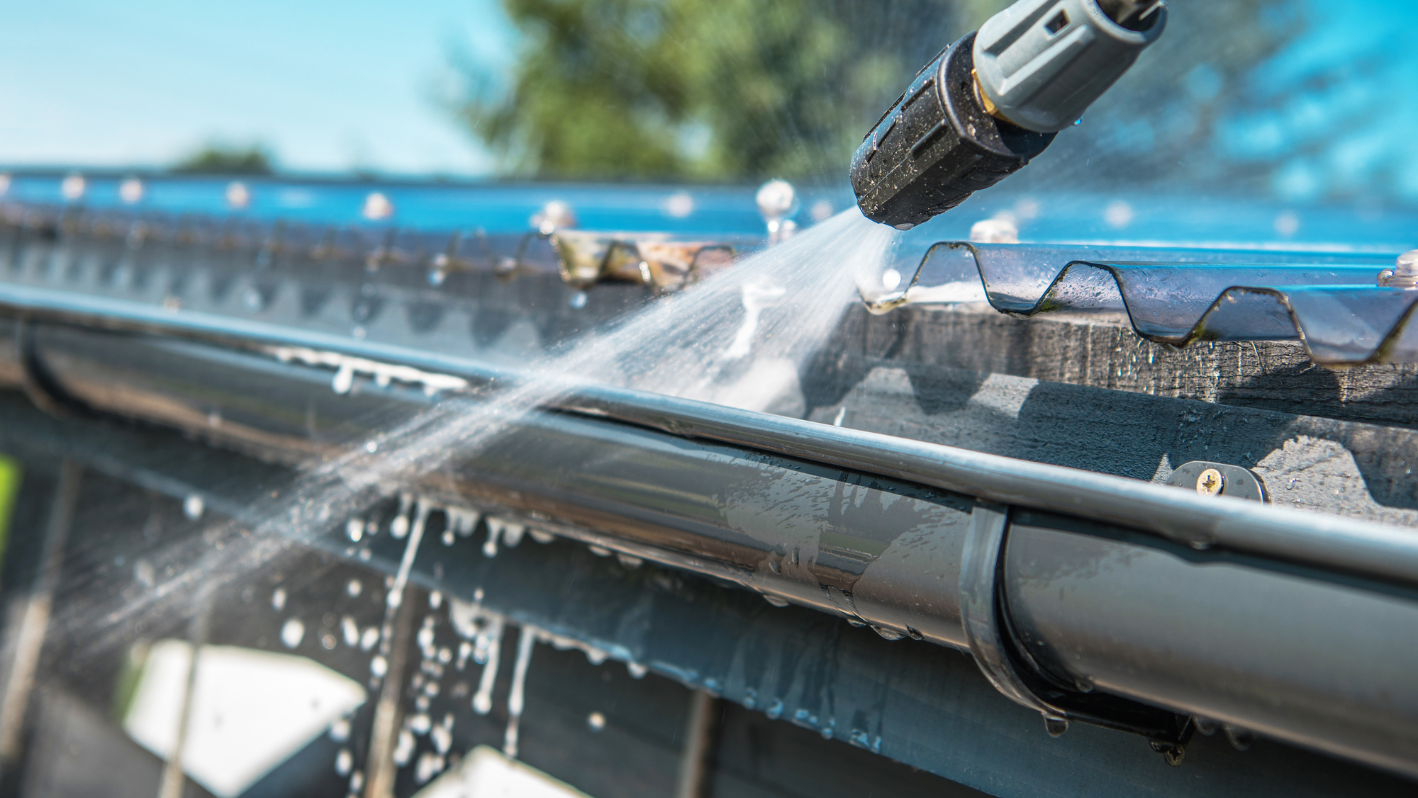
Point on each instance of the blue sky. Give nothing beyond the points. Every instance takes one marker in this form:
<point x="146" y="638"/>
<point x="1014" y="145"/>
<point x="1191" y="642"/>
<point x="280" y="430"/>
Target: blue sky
<point x="327" y="85"/>
<point x="331" y="86"/>
<point x="1349" y="122"/>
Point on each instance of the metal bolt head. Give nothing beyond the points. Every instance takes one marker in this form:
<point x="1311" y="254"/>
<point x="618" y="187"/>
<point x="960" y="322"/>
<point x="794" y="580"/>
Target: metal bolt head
<point x="1404" y="274"/>
<point x="1209" y="482"/>
<point x="777" y="200"/>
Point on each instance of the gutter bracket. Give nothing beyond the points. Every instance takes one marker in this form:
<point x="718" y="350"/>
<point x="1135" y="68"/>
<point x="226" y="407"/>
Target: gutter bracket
<point x="1219" y="479"/>
<point x="985" y="615"/>
<point x="979" y="562"/>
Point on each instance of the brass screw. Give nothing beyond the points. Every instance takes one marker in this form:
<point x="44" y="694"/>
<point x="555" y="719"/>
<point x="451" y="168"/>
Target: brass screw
<point x="1209" y="483"/>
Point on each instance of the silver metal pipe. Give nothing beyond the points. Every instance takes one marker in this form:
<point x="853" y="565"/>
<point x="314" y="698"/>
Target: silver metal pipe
<point x="1331" y="542"/>
<point x="1322" y="662"/>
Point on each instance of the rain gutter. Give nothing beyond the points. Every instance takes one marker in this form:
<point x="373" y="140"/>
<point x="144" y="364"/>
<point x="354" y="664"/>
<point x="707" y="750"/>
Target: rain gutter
<point x="1086" y="597"/>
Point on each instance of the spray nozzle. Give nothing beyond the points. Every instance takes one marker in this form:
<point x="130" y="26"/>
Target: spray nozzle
<point x="994" y="100"/>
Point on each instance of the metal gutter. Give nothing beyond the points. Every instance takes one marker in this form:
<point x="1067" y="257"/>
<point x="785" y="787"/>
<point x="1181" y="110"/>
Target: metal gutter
<point x="1115" y="601"/>
<point x="1331" y="542"/>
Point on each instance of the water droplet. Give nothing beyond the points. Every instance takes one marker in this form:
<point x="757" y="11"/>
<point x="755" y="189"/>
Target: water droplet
<point x="888" y="634"/>
<point x="494" y="528"/>
<point x="429" y="765"/>
<point x="350" y="630"/>
<point x="193" y="507"/>
<point x="775" y="601"/>
<point x="541" y="535"/>
<point x="420" y="724"/>
<point x="404" y="750"/>
<point x="278" y="598"/>
<point x="600" y="551"/>
<point x="489" y="650"/>
<point x="596" y="721"/>
<point x="328" y="642"/>
<point x="378" y="666"/>
<point x="353" y="588"/>
<point x="292" y="632"/>
<point x="637" y="671"/>
<point x="516" y="696"/>
<point x="344" y="762"/>
<point x="355" y="529"/>
<point x="343" y="380"/>
<point x="399" y="527"/>
<point x="442" y="739"/>
<point x="629" y="561"/>
<point x="774" y="710"/>
<point x="1055" y="726"/>
<point x="340" y="730"/>
<point x="577" y="300"/>
<point x="435" y="599"/>
<point x="357" y="782"/>
<point x="368" y="639"/>
<point x="1240" y="738"/>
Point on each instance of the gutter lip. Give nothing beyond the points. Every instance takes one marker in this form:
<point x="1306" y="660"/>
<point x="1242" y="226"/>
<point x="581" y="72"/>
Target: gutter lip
<point x="1326" y="542"/>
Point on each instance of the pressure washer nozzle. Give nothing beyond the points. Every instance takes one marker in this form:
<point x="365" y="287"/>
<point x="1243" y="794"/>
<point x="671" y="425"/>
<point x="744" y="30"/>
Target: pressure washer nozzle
<point x="994" y="100"/>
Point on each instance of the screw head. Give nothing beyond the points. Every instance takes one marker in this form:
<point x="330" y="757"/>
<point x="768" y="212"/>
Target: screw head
<point x="1209" y="482"/>
<point x="777" y="199"/>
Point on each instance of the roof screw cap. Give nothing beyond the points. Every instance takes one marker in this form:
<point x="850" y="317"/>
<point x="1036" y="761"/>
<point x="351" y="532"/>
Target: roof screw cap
<point x="1055" y="726"/>
<point x="777" y="202"/>
<point x="1209" y="482"/>
<point x="555" y="215"/>
<point x="1404" y="274"/>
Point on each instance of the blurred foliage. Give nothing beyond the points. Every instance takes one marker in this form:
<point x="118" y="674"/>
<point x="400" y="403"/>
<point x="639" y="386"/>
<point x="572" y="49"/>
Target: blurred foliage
<point x="1162" y="124"/>
<point x="223" y="159"/>
<point x="10" y="479"/>
<point x="746" y="89"/>
<point x="700" y="89"/>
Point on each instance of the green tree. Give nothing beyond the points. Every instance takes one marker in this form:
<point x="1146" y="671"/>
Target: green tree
<point x="747" y="89"/>
<point x="703" y="89"/>
<point x="223" y="159"/>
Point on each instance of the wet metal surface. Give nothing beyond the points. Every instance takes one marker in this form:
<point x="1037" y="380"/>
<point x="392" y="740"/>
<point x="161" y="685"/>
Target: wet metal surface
<point x="906" y="700"/>
<point x="864" y="528"/>
<point x="1331" y="301"/>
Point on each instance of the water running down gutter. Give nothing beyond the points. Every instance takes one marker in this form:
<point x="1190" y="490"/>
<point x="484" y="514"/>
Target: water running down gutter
<point x="1060" y="582"/>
